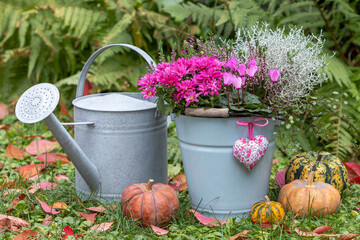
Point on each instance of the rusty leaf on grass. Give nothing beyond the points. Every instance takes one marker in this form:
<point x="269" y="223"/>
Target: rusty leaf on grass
<point x="48" y="220"/>
<point x="349" y="236"/>
<point x="317" y="232"/>
<point x="88" y="217"/>
<point x="26" y="234"/>
<point x="180" y="182"/>
<point x="53" y="157"/>
<point x="240" y="235"/>
<point x="46" y="207"/>
<point x="43" y="186"/>
<point x="14" y="152"/>
<point x="3" y="110"/>
<point x="102" y="226"/>
<point x="280" y="177"/>
<point x="211" y="222"/>
<point x="100" y="209"/>
<point x="29" y="171"/>
<point x="40" y="146"/>
<point x="15" y="202"/>
<point x="159" y="231"/>
<point x="13" y="223"/>
<point x="59" y="205"/>
<point x="9" y="184"/>
<point x="275" y="161"/>
<point x="69" y="232"/>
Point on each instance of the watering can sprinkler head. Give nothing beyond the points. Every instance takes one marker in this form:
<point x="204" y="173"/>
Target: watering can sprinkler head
<point x="36" y="104"/>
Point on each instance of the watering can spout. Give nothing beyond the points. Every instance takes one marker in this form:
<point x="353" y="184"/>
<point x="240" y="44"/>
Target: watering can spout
<point x="37" y="104"/>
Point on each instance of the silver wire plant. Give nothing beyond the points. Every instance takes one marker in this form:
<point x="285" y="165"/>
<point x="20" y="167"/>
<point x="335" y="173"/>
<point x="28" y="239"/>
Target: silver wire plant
<point x="297" y="56"/>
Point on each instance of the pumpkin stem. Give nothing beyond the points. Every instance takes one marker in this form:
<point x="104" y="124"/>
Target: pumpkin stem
<point x="148" y="187"/>
<point x="267" y="200"/>
<point x="310" y="179"/>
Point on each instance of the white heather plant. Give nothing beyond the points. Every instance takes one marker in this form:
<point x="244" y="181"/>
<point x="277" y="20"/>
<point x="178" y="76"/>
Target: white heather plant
<point x="298" y="57"/>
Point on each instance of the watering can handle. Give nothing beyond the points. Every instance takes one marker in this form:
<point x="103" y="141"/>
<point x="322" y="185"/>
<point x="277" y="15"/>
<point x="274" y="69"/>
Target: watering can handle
<point x="84" y="71"/>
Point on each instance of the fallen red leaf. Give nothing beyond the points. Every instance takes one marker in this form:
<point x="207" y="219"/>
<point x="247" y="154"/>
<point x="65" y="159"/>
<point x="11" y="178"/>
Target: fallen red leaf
<point x="355" y="180"/>
<point x="211" y="222"/>
<point x="175" y="187"/>
<point x="3" y="110"/>
<point x="40" y="146"/>
<point x="59" y="205"/>
<point x="317" y="232"/>
<point x="46" y="207"/>
<point x="64" y="111"/>
<point x="102" y="226"/>
<point x="159" y="231"/>
<point x="26" y="234"/>
<point x="34" y="136"/>
<point x="14" y="152"/>
<point x="240" y="235"/>
<point x="29" y="171"/>
<point x="353" y="169"/>
<point x="9" y="184"/>
<point x="48" y="220"/>
<point x="15" y="202"/>
<point x="42" y="186"/>
<point x="280" y="177"/>
<point x="11" y="191"/>
<point x="87" y="87"/>
<point x="180" y="181"/>
<point x="69" y="232"/>
<point x="53" y="157"/>
<point x="349" y="236"/>
<point x="275" y="161"/>
<point x="13" y="223"/>
<point x="88" y="217"/>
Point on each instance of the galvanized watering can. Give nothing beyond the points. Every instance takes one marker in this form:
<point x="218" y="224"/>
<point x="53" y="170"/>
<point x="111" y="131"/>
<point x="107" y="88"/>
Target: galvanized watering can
<point x="120" y="139"/>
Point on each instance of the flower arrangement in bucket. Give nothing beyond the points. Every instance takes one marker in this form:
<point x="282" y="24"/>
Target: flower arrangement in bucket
<point x="261" y="71"/>
<point x="225" y="97"/>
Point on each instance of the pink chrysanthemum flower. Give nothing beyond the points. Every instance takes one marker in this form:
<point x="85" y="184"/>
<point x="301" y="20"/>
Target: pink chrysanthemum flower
<point x="149" y="92"/>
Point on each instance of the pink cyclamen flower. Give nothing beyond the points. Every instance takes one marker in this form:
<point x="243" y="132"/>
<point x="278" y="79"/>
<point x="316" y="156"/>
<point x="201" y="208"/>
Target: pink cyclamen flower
<point x="274" y="75"/>
<point x="232" y="64"/>
<point x="228" y="78"/>
<point x="242" y="70"/>
<point x="251" y="71"/>
<point x="252" y="62"/>
<point x="238" y="82"/>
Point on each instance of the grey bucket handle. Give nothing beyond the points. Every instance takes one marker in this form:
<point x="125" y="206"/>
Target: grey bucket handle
<point x="85" y="70"/>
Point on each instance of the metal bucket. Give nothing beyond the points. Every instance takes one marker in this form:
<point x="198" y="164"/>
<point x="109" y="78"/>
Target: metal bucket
<point x="218" y="184"/>
<point x="127" y="146"/>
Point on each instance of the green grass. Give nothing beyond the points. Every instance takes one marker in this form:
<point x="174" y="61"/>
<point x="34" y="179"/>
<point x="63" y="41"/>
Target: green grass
<point x="183" y="226"/>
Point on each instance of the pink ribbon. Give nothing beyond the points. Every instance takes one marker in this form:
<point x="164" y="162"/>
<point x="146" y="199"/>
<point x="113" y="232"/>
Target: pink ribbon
<point x="251" y="125"/>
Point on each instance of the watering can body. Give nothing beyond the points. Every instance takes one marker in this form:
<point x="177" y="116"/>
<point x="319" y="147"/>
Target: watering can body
<point x="127" y="147"/>
<point x="116" y="144"/>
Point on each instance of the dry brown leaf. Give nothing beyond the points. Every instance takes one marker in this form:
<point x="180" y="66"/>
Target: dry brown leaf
<point x="14" y="152"/>
<point x="240" y="235"/>
<point x="13" y="223"/>
<point x="15" y="202"/>
<point x="29" y="171"/>
<point x="5" y="126"/>
<point x="180" y="181"/>
<point x="349" y="236"/>
<point x="102" y="226"/>
<point x="60" y="205"/>
<point x="26" y="234"/>
<point x="11" y="191"/>
<point x="48" y="220"/>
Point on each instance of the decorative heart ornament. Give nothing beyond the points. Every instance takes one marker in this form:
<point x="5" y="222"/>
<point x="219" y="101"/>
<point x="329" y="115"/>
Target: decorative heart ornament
<point x="250" y="151"/>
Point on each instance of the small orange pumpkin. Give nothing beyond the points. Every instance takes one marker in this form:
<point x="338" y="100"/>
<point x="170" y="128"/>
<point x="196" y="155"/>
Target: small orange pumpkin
<point x="152" y="204"/>
<point x="267" y="211"/>
<point x="307" y="197"/>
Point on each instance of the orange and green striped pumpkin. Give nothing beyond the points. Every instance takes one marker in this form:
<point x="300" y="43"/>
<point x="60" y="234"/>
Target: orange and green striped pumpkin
<point x="267" y="211"/>
<point x="328" y="168"/>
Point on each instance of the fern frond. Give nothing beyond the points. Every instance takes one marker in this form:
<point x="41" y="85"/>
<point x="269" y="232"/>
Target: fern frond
<point x="8" y="22"/>
<point x="72" y="80"/>
<point x="119" y="28"/>
<point x="338" y="72"/>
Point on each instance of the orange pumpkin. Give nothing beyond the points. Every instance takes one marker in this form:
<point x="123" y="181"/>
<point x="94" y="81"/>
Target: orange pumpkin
<point x="151" y="204"/>
<point x="306" y="197"/>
